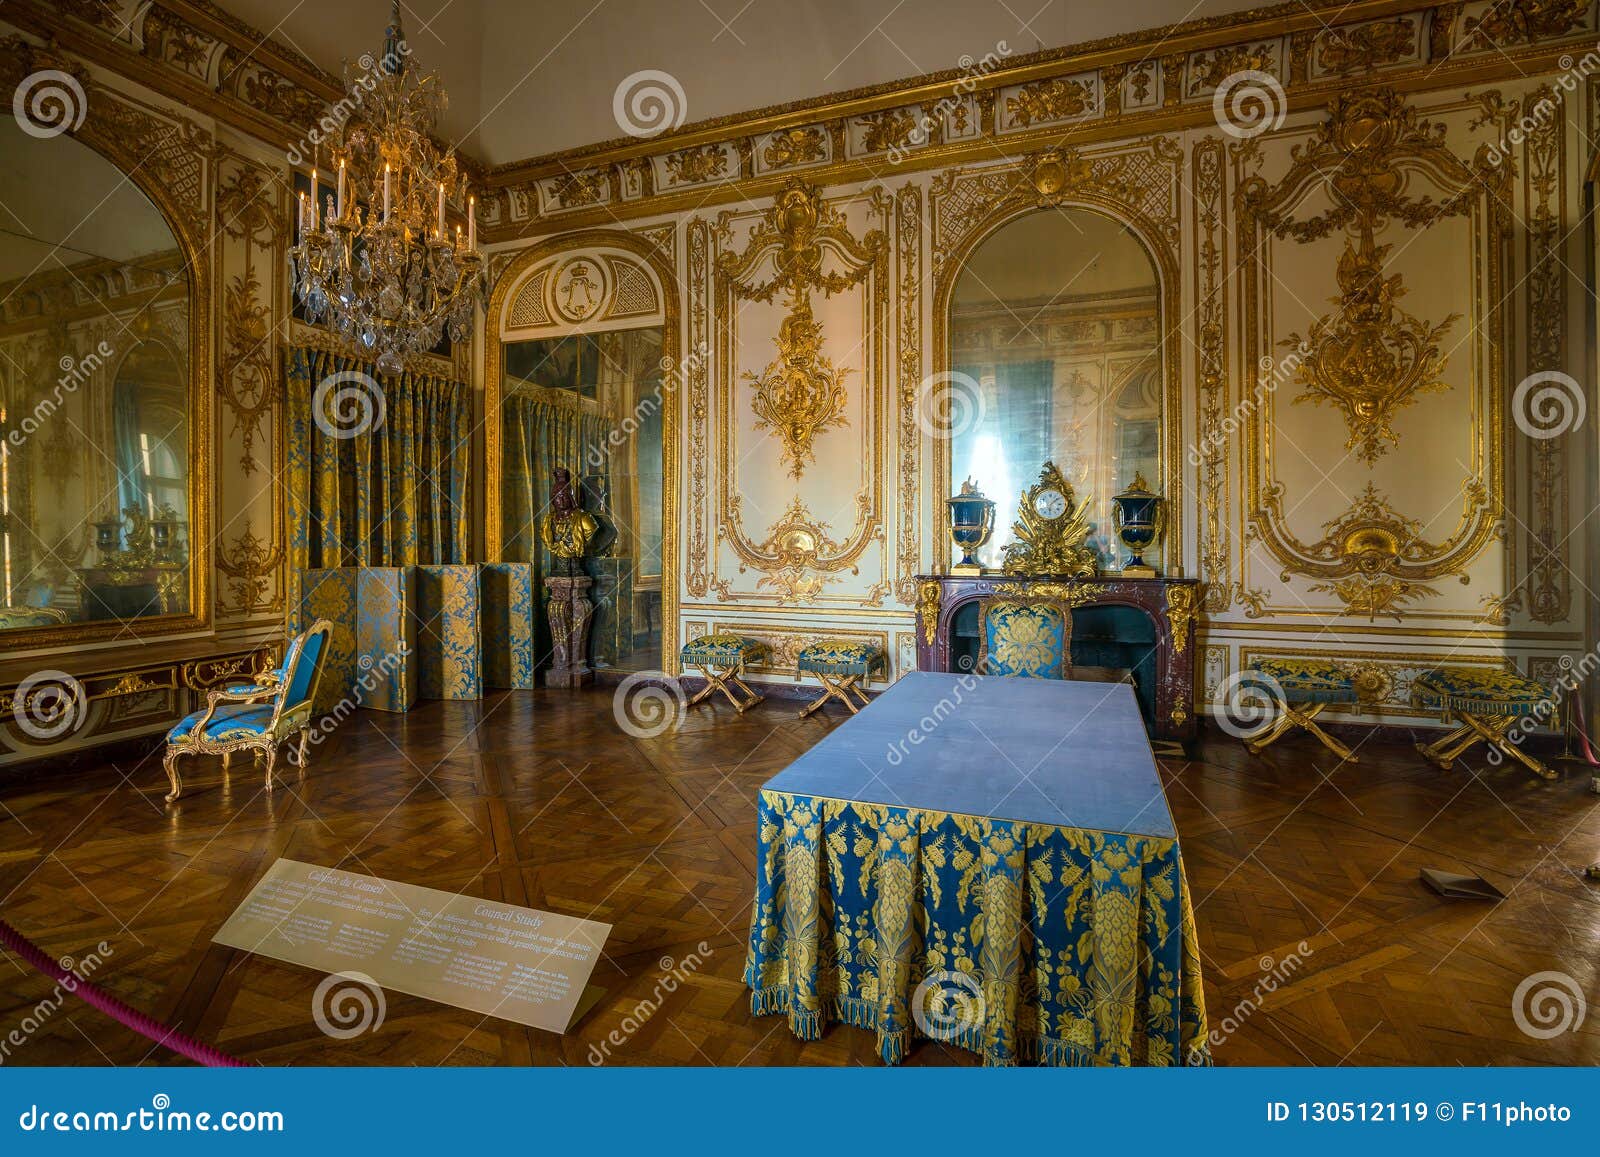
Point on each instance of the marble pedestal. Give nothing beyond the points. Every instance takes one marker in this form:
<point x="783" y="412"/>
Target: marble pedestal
<point x="569" y="610"/>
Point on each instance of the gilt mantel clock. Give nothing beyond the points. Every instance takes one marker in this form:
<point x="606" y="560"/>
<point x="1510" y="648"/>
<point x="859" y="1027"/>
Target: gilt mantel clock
<point x="1051" y="530"/>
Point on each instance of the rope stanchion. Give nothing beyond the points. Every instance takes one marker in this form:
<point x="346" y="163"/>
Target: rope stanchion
<point x="145" y="1026"/>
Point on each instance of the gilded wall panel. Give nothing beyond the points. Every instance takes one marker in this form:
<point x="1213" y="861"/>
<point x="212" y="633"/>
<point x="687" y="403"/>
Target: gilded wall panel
<point x="800" y="339"/>
<point x="224" y="199"/>
<point x="1366" y="239"/>
<point x="250" y="233"/>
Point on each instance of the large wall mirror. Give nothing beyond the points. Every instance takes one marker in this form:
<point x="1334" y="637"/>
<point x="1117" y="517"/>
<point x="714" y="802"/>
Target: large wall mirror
<point x="580" y="378"/>
<point x="97" y="479"/>
<point x="1055" y="322"/>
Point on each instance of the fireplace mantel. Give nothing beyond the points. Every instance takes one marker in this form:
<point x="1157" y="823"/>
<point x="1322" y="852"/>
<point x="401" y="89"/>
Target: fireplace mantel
<point x="1164" y="648"/>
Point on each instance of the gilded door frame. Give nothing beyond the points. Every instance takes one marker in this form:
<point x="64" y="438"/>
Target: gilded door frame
<point x="108" y="135"/>
<point x="1163" y="259"/>
<point x="493" y="358"/>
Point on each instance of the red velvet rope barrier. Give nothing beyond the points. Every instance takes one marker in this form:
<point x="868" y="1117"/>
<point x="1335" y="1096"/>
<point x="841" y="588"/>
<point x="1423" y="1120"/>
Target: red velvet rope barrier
<point x="1583" y="733"/>
<point x="145" y="1026"/>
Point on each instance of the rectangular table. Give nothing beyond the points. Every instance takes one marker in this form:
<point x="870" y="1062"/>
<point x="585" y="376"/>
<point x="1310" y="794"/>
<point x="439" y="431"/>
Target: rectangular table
<point x="987" y="861"/>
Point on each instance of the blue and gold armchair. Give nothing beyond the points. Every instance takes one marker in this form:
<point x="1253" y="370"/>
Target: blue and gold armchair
<point x="1032" y="638"/>
<point x="1026" y="637"/>
<point x="258" y="716"/>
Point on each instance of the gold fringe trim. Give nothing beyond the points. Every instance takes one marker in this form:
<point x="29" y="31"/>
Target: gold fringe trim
<point x="808" y="1024"/>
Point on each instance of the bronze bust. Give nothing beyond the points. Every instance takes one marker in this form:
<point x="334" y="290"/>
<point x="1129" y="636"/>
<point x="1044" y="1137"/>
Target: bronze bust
<point x="567" y="528"/>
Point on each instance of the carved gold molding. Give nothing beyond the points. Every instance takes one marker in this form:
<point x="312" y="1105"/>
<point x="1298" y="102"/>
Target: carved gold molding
<point x="1151" y="81"/>
<point x="1369" y="357"/>
<point x="800" y="394"/>
<point x="798" y="556"/>
<point x="1549" y="577"/>
<point x="908" y="249"/>
<point x="252" y="210"/>
<point x="1145" y="83"/>
<point x="1208" y="184"/>
<point x="697" y="564"/>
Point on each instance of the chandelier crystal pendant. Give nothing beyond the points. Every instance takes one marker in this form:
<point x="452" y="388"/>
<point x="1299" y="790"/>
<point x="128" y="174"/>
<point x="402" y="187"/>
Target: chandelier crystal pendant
<point x="378" y="262"/>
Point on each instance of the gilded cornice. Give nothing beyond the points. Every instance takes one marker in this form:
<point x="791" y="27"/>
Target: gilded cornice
<point x="1142" y="84"/>
<point x="1156" y="81"/>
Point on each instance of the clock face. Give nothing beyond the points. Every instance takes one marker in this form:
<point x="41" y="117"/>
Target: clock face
<point x="1050" y="504"/>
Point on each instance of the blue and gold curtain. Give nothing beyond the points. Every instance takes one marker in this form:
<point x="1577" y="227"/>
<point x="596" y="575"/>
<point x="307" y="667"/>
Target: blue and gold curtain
<point x="541" y="434"/>
<point x="395" y="495"/>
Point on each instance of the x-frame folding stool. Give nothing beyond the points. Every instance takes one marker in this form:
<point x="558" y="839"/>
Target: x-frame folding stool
<point x="721" y="659"/>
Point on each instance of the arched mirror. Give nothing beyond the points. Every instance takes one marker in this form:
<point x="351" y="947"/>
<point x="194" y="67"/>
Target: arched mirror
<point x="97" y="481"/>
<point x="1055" y="324"/>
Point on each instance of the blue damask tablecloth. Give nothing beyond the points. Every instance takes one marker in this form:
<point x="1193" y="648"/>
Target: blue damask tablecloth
<point x="987" y="861"/>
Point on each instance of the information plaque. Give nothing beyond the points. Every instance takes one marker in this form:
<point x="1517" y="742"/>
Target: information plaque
<point x="501" y="960"/>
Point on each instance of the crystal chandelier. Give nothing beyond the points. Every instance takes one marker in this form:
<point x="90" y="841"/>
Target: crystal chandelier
<point x="377" y="261"/>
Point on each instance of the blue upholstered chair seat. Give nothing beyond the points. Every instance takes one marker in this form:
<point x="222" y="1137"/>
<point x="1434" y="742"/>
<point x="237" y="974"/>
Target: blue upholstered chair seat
<point x="257" y="716"/>
<point x="723" y="650"/>
<point x="1479" y="692"/>
<point x="1309" y="680"/>
<point x="230" y="721"/>
<point x="841" y="657"/>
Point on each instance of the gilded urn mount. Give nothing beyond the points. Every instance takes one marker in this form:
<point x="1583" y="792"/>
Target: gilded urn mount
<point x="971" y="524"/>
<point x="1139" y="516"/>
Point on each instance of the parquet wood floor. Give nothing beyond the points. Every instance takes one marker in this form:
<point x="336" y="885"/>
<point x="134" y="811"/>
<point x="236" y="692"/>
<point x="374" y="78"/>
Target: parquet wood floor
<point x="1301" y="870"/>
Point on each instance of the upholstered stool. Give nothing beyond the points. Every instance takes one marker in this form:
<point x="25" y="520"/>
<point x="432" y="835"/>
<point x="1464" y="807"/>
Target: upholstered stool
<point x="1305" y="687"/>
<point x="840" y="665"/>
<point x="1486" y="704"/>
<point x="721" y="659"/>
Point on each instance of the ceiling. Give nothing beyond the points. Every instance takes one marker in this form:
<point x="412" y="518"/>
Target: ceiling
<point x="530" y="77"/>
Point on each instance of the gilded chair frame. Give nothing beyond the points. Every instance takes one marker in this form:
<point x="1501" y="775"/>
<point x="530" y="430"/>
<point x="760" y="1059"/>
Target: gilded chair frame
<point x="496" y="322"/>
<point x="1059" y="605"/>
<point x="268" y="684"/>
<point x="105" y="129"/>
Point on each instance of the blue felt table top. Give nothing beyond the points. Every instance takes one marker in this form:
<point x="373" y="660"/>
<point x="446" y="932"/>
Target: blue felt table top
<point x="1044" y="751"/>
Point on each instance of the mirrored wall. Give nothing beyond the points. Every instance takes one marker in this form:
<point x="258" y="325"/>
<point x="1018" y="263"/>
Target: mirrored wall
<point x="1055" y="327"/>
<point x="592" y="403"/>
<point x="96" y="498"/>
